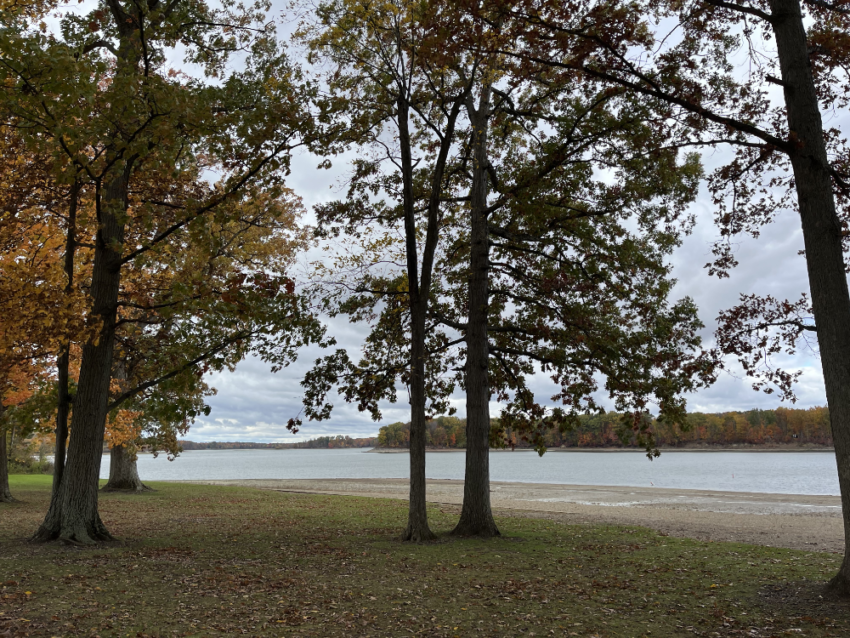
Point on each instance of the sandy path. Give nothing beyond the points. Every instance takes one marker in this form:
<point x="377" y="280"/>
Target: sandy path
<point x="780" y="520"/>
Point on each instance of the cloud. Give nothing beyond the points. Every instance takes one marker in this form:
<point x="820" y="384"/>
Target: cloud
<point x="254" y="404"/>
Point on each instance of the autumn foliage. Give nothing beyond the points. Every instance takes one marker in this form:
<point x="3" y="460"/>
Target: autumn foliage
<point x="782" y="426"/>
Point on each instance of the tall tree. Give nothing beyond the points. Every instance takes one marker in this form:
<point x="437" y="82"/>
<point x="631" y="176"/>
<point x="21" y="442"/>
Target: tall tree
<point x="543" y="268"/>
<point x="384" y="69"/>
<point x="545" y="175"/>
<point x="476" y="516"/>
<point x="100" y="99"/>
<point x="783" y="154"/>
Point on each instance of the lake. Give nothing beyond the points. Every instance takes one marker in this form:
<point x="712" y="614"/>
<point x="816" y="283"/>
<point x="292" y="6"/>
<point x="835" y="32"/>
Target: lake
<point x="771" y="472"/>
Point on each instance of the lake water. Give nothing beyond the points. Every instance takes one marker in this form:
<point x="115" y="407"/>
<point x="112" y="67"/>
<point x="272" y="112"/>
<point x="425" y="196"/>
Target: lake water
<point x="779" y="472"/>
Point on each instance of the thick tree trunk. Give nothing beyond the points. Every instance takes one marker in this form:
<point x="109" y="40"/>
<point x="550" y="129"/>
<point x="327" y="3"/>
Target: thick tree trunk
<point x="123" y="472"/>
<point x="476" y="518"/>
<point x="822" y="237"/>
<point x="5" y="492"/>
<point x="73" y="515"/>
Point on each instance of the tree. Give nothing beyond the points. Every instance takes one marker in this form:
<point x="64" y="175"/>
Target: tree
<point x="385" y="63"/>
<point x="174" y="326"/>
<point x="542" y="268"/>
<point x="521" y="112"/>
<point x="99" y="99"/>
<point x="40" y="312"/>
<point x="783" y="154"/>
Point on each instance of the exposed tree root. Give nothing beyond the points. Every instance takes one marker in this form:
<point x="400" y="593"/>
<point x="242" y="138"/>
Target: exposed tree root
<point x="74" y="534"/>
<point x="840" y="584"/>
<point x="418" y="534"/>
<point x="477" y="531"/>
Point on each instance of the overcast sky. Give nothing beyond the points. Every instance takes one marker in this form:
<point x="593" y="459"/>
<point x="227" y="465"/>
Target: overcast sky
<point x="253" y="404"/>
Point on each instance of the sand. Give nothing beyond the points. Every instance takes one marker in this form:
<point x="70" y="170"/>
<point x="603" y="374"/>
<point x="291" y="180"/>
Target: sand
<point x="794" y="521"/>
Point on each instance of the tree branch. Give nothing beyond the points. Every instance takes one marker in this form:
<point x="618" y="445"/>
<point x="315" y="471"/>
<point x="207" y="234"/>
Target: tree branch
<point x="129" y="394"/>
<point x="740" y="8"/>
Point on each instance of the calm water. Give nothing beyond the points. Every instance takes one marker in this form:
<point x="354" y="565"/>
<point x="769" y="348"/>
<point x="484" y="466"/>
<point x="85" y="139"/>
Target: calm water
<point x="783" y="472"/>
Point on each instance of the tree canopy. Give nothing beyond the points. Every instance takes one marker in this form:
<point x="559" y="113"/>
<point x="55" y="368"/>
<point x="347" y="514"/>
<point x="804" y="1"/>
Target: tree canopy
<point x="521" y="173"/>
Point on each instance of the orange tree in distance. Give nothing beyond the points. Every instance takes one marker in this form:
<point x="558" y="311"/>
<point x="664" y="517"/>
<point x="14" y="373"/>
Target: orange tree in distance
<point x="175" y="326"/>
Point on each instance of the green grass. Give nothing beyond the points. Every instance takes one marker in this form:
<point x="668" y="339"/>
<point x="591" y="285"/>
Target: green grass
<point x="201" y="560"/>
<point x="30" y="481"/>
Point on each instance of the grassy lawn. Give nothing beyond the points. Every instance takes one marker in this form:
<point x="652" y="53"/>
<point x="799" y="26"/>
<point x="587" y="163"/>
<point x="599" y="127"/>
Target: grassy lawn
<point x="201" y="560"/>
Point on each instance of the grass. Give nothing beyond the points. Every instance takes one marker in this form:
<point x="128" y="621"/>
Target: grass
<point x="203" y="561"/>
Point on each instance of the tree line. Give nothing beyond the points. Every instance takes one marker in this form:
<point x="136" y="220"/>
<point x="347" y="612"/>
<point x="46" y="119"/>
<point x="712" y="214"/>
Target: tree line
<point x="781" y="426"/>
<point x="521" y="173"/>
<point x="320" y="442"/>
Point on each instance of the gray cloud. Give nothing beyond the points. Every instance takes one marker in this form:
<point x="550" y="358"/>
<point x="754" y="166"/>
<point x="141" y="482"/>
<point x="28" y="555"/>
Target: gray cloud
<point x="253" y="404"/>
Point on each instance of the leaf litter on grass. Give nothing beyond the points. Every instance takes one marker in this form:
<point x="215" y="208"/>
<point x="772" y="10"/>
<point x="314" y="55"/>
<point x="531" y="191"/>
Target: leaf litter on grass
<point x="203" y="560"/>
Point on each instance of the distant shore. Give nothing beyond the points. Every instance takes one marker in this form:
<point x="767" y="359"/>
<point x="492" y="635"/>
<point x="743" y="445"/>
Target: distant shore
<point x="712" y="448"/>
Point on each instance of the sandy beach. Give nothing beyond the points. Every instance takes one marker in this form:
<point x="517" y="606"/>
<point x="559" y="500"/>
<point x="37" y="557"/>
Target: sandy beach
<point x="779" y="520"/>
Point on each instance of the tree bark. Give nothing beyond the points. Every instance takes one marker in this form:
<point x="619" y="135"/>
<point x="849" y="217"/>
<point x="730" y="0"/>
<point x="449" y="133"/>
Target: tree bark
<point x="417" y="529"/>
<point x="417" y="518"/>
<point x="5" y="492"/>
<point x="63" y="406"/>
<point x="476" y="518"/>
<point x="822" y="238"/>
<point x="123" y="471"/>
<point x="73" y="514"/>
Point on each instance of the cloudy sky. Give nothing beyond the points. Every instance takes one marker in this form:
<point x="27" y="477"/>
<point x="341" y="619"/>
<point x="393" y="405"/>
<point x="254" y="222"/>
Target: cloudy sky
<point x="253" y="404"/>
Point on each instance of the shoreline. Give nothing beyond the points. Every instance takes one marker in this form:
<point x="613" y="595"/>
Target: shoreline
<point x="568" y="450"/>
<point x="611" y="450"/>
<point x="795" y="521"/>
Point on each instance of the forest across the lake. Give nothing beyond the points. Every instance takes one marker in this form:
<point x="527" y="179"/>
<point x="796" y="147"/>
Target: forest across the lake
<point x="768" y="428"/>
<point x="320" y="442"/>
<point x="758" y="428"/>
<point x="763" y="428"/>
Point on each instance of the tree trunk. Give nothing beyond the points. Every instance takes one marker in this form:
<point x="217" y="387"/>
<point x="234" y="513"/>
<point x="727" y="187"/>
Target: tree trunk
<point x="63" y="409"/>
<point x="5" y="492"/>
<point x="123" y="472"/>
<point x="63" y="406"/>
<point x="822" y="237"/>
<point x="417" y="518"/>
<point x="73" y="515"/>
<point x="476" y="518"/>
